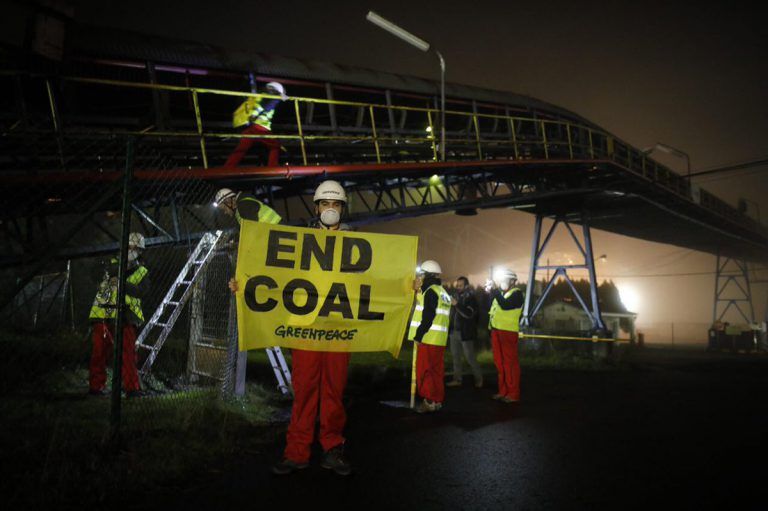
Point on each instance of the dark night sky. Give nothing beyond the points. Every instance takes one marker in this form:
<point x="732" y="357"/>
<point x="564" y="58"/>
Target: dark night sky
<point x="691" y="77"/>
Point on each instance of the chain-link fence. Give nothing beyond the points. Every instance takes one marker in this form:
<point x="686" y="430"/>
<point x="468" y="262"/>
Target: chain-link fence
<point x="63" y="237"/>
<point x="62" y="231"/>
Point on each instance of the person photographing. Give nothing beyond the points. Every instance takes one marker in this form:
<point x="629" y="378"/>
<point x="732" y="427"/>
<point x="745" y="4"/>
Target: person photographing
<point x="506" y="307"/>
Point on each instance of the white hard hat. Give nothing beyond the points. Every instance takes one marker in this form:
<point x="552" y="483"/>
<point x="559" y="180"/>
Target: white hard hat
<point x="277" y="86"/>
<point x="430" y="266"/>
<point x="330" y="190"/>
<point x="135" y="239"/>
<point x="503" y="274"/>
<point x="222" y="195"/>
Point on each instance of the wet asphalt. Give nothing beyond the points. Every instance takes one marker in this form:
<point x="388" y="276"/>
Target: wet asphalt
<point x="668" y="429"/>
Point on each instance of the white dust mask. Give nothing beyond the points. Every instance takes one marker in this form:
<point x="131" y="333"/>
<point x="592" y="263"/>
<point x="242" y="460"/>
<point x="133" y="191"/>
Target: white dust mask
<point x="330" y="217"/>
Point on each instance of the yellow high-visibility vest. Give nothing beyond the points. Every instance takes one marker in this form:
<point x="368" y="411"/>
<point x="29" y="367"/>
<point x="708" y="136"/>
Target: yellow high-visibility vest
<point x="105" y="304"/>
<point x="508" y="320"/>
<point x="251" y="109"/>
<point x="266" y="214"/>
<point x="437" y="334"/>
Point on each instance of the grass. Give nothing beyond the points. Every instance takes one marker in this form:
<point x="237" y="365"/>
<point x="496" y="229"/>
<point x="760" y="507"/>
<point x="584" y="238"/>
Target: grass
<point x="56" y="442"/>
<point x="61" y="449"/>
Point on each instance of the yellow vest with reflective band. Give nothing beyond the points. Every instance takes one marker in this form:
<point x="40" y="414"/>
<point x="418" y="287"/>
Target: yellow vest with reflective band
<point x="438" y="333"/>
<point x="508" y="320"/>
<point x="251" y="108"/>
<point x="266" y="214"/>
<point x="104" y="305"/>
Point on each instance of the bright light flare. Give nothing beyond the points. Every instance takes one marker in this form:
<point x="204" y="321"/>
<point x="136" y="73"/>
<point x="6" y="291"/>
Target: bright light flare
<point x="500" y="274"/>
<point x="629" y="297"/>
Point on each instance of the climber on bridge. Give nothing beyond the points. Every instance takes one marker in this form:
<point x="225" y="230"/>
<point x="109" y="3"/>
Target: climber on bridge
<point x="256" y="114"/>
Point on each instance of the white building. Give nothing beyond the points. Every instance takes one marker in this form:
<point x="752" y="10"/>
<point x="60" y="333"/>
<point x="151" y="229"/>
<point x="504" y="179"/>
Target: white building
<point x="567" y="317"/>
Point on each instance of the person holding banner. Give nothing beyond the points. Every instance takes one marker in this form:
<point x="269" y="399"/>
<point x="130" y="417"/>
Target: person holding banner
<point x="429" y="330"/>
<point x="319" y="377"/>
<point x="330" y="202"/>
<point x="244" y="206"/>
<point x="506" y="307"/>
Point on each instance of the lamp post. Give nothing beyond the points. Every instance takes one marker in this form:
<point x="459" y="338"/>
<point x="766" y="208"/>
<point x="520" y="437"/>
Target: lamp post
<point x="673" y="151"/>
<point x="422" y="45"/>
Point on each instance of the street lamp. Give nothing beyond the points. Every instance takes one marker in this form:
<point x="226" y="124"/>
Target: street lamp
<point x="673" y="151"/>
<point x="423" y="46"/>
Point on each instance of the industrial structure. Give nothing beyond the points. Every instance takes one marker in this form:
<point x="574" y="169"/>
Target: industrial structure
<point x="159" y="110"/>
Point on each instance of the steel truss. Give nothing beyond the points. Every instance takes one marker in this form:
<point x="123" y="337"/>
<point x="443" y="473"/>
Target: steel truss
<point x="733" y="290"/>
<point x="45" y="298"/>
<point x="176" y="218"/>
<point x="561" y="271"/>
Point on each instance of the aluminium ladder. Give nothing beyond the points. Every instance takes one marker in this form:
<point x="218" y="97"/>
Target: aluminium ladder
<point x="189" y="283"/>
<point x="172" y="304"/>
<point x="280" y="367"/>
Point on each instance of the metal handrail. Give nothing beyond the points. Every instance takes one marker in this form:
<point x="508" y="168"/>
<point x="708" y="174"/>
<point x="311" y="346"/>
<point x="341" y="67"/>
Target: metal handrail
<point x="598" y="144"/>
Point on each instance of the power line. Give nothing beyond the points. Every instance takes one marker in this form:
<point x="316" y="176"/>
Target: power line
<point x="744" y="172"/>
<point x="682" y="274"/>
<point x="728" y="168"/>
<point x="649" y="275"/>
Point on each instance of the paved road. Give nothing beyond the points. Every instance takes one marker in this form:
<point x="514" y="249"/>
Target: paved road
<point x="683" y="430"/>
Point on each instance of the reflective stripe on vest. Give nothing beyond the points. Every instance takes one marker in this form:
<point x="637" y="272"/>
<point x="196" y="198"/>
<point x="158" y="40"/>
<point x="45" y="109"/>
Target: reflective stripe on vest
<point x="266" y="214"/>
<point x="438" y="332"/>
<point x="104" y="305"/>
<point x="264" y="118"/>
<point x="501" y="319"/>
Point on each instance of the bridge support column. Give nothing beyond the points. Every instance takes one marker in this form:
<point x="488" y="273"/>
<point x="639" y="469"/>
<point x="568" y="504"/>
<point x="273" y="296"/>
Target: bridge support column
<point x="732" y="290"/>
<point x="531" y="307"/>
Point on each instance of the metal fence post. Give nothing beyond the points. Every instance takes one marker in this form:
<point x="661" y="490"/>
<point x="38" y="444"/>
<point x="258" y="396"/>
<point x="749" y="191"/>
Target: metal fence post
<point x="120" y="304"/>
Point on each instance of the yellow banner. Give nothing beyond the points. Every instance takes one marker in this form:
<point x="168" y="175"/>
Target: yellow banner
<point x="321" y="290"/>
